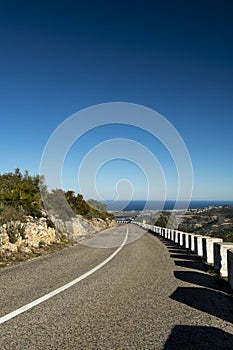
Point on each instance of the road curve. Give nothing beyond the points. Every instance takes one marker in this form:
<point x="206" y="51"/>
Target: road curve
<point x="150" y="295"/>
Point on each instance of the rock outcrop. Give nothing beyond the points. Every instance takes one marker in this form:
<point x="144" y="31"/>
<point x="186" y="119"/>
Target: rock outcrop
<point x="23" y="237"/>
<point x="79" y="228"/>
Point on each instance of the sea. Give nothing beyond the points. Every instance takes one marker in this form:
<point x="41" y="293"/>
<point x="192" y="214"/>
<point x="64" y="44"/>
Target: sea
<point x="139" y="205"/>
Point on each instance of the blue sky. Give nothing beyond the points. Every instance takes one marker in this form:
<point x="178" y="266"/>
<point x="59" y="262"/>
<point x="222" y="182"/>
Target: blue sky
<point x="176" y="57"/>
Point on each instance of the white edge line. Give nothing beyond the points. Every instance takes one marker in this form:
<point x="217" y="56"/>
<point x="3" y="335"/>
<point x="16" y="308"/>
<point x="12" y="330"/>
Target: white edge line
<point x="40" y="300"/>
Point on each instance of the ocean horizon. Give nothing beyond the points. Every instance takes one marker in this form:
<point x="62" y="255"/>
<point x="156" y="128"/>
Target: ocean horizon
<point x="139" y="205"/>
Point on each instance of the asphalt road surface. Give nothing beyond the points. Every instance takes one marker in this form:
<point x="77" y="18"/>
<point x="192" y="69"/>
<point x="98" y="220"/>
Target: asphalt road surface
<point x="145" y="294"/>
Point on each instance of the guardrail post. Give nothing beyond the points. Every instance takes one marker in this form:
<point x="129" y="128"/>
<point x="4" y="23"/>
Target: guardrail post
<point x="212" y="249"/>
<point x="168" y="233"/>
<point x="208" y="248"/>
<point x="176" y="236"/>
<point x="192" y="247"/>
<point x="188" y="241"/>
<point x="220" y="257"/>
<point x="172" y="235"/>
<point x="181" y="238"/>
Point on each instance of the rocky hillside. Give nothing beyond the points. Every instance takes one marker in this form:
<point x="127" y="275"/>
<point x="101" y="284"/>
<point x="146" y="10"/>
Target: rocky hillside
<point x="21" y="240"/>
<point x="211" y="221"/>
<point x="37" y="236"/>
<point x="27" y="230"/>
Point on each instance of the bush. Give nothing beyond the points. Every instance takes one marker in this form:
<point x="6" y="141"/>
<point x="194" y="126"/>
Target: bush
<point x="19" y="196"/>
<point x="162" y="221"/>
<point x="42" y="244"/>
<point x="12" y="233"/>
<point x="8" y="213"/>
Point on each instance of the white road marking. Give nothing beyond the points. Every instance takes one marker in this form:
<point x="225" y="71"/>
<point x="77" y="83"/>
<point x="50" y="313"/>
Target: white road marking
<point x="61" y="289"/>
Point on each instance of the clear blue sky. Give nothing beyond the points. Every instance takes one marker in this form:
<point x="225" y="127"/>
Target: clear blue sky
<point x="176" y="57"/>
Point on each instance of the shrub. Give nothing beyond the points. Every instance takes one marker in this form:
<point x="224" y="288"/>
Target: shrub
<point x="162" y="221"/>
<point x="12" y="233"/>
<point x="42" y="244"/>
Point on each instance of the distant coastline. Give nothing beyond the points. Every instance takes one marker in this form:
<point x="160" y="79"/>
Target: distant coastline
<point x="138" y="205"/>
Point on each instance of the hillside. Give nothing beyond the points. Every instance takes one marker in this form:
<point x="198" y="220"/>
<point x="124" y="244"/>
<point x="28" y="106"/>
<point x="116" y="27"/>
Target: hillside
<point x="20" y="196"/>
<point x="27" y="229"/>
<point x="212" y="221"/>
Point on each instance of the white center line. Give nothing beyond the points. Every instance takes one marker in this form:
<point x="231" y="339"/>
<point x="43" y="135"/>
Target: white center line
<point x="61" y="289"/>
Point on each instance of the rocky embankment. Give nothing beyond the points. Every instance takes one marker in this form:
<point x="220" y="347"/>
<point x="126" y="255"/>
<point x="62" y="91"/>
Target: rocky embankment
<point x="37" y="236"/>
<point x="79" y="228"/>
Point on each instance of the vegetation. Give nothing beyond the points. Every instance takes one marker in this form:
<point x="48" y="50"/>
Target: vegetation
<point x="97" y="205"/>
<point x="162" y="221"/>
<point x="90" y="209"/>
<point x="20" y="196"/>
<point x="213" y="221"/>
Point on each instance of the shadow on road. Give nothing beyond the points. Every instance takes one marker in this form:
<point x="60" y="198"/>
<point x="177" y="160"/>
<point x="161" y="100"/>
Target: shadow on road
<point x="186" y="260"/>
<point x="169" y="245"/>
<point x="196" y="337"/>
<point x="212" y="302"/>
<point x="192" y="264"/>
<point x="177" y="251"/>
<point x="204" y="280"/>
<point x="183" y="256"/>
<point x="214" y="297"/>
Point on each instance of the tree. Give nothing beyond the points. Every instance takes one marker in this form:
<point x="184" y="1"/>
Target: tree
<point x="20" y="192"/>
<point x="162" y="221"/>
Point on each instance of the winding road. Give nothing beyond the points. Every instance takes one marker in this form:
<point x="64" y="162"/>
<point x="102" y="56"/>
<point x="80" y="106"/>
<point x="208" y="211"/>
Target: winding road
<point x="124" y="289"/>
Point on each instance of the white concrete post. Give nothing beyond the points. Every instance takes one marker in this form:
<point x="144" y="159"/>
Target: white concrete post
<point x="176" y="236"/>
<point x="208" y="248"/>
<point x="192" y="247"/>
<point x="199" y="246"/>
<point x="187" y="241"/>
<point x="220" y="257"/>
<point x="172" y="235"/>
<point x="168" y="233"/>
<point x="181" y="238"/>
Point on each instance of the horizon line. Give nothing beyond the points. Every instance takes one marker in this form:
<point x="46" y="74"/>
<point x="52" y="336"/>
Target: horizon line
<point x="162" y="200"/>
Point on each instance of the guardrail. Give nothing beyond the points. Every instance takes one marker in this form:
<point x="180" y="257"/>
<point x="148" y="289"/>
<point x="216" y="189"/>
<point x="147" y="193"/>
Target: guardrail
<point x="211" y="249"/>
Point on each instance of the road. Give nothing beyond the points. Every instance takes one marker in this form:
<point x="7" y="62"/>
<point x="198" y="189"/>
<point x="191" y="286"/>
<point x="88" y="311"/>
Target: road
<point x="150" y="295"/>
